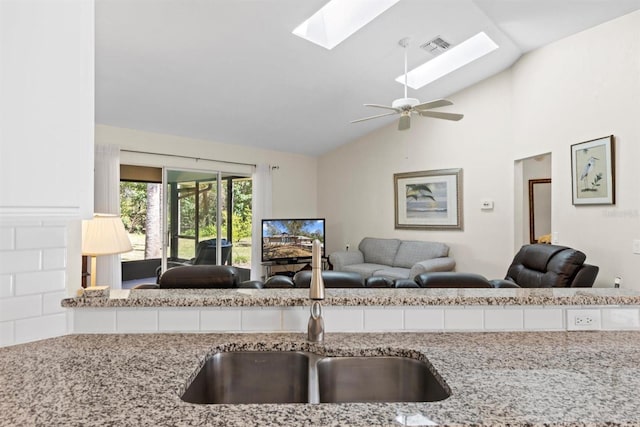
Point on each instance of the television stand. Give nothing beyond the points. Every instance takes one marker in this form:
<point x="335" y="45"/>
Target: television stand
<point x="289" y="268"/>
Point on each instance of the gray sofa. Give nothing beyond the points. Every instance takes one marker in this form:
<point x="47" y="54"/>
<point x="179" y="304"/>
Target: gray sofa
<point x="393" y="258"/>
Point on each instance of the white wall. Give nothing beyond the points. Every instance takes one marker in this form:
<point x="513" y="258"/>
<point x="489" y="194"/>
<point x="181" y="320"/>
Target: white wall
<point x="581" y="88"/>
<point x="294" y="181"/>
<point x="46" y="160"/>
<point x="577" y="89"/>
<point x="356" y="191"/>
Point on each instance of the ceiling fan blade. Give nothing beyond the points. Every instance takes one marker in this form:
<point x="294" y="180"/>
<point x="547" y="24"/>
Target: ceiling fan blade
<point x="386" y="107"/>
<point x="433" y="104"/>
<point x="438" y="115"/>
<point x="373" y="117"/>
<point x="405" y="122"/>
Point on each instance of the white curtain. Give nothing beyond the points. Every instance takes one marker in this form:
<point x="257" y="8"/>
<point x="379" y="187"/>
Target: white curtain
<point x="261" y="208"/>
<point x="107" y="200"/>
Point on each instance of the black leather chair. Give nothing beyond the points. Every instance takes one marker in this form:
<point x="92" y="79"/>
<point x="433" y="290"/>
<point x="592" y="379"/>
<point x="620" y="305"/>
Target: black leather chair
<point x="534" y="266"/>
<point x="206" y="252"/>
<point x="279" y="281"/>
<point x="201" y="277"/>
<point x="549" y="266"/>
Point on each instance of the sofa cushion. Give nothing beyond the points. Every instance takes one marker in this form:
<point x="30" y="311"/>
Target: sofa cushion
<point x="366" y="270"/>
<point x="411" y="251"/>
<point x="393" y="272"/>
<point x="379" y="251"/>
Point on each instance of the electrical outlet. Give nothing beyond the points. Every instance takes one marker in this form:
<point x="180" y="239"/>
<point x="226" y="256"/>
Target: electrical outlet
<point x="584" y="320"/>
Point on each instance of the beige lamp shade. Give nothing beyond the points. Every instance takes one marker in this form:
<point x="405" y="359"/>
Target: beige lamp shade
<point x="104" y="235"/>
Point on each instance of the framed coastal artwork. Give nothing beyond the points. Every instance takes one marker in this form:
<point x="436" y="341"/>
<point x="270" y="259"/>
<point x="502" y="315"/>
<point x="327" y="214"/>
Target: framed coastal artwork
<point x="428" y="199"/>
<point x="593" y="172"/>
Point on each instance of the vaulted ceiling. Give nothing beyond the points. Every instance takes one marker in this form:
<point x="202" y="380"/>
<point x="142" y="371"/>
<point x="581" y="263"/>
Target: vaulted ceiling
<point x="231" y="70"/>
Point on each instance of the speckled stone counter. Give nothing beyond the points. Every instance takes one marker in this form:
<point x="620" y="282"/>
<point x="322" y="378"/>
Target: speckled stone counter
<point x="534" y="379"/>
<point x="357" y="297"/>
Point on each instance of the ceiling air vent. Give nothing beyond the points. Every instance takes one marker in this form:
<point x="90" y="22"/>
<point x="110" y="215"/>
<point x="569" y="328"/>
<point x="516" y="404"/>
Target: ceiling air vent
<point x="436" y="46"/>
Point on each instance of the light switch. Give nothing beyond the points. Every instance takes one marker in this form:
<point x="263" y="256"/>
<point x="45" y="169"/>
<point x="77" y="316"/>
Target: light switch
<point x="486" y="204"/>
<point x="636" y="246"/>
<point x="555" y="237"/>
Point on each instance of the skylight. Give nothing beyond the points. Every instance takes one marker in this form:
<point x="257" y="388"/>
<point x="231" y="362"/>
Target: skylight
<point x="339" y="19"/>
<point x="454" y="58"/>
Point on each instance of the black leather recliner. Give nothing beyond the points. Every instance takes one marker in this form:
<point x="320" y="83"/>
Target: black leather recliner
<point x="549" y="266"/>
<point x="534" y="266"/>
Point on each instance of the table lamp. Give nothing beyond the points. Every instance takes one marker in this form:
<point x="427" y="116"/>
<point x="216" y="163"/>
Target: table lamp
<point x="103" y="235"/>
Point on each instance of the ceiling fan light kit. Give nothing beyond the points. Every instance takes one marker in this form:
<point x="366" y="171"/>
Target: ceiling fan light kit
<point x="407" y="106"/>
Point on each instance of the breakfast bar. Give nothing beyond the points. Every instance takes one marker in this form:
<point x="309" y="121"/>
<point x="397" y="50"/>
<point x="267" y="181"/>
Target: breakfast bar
<point x="529" y="371"/>
<point x="523" y="378"/>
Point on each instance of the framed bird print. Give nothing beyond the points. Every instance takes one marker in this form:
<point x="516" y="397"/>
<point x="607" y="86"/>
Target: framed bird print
<point x="428" y="199"/>
<point x="593" y="172"/>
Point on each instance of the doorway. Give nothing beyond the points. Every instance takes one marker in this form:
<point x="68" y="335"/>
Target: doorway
<point x="533" y="198"/>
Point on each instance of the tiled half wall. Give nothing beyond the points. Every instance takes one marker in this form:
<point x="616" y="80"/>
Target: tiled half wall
<point x="350" y="319"/>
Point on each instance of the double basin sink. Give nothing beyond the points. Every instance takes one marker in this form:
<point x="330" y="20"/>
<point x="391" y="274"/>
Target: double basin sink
<point x="302" y="377"/>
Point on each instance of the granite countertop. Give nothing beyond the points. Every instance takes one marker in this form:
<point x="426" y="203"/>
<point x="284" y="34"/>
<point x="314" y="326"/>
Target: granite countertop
<point x="357" y="297"/>
<point x="534" y="379"/>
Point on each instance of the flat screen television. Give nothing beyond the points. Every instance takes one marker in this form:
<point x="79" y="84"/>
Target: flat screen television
<point x="290" y="240"/>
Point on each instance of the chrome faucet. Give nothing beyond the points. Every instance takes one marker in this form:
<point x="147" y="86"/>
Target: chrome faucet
<point x="315" y="329"/>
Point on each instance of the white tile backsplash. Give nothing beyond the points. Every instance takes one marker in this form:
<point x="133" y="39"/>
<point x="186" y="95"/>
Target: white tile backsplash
<point x="6" y="285"/>
<point x="543" y="318"/>
<point x="6" y="238"/>
<point x="261" y="319"/>
<point x="295" y="319"/>
<point x="20" y="307"/>
<point x="459" y="319"/>
<point x="6" y="333"/>
<point x="51" y="302"/>
<point x="37" y="328"/>
<point x="40" y="237"/>
<point x="620" y="318"/>
<point x="39" y="282"/>
<point x="94" y="320"/>
<point x="19" y="261"/>
<point x="423" y="318"/>
<point x="383" y="319"/>
<point x="33" y="279"/>
<point x="218" y="319"/>
<point x="343" y="319"/>
<point x="54" y="259"/>
<point x="178" y="319"/>
<point x="503" y="319"/>
<point x="142" y="319"/>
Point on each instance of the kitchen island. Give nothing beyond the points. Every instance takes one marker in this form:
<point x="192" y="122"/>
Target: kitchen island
<point x="507" y="378"/>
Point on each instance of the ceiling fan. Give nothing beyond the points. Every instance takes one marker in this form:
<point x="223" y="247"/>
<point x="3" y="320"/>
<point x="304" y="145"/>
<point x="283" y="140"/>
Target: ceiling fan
<point x="408" y="106"/>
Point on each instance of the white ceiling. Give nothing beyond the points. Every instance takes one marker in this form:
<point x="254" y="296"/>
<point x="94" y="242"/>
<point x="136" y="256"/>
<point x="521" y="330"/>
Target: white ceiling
<point x="231" y="71"/>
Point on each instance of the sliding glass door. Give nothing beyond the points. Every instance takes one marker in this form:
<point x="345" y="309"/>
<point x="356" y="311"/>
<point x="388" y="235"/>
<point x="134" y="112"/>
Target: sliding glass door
<point x="207" y="219"/>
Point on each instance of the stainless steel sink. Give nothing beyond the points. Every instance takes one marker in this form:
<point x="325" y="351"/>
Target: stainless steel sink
<point x="252" y="377"/>
<point x="377" y="379"/>
<point x="299" y="377"/>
